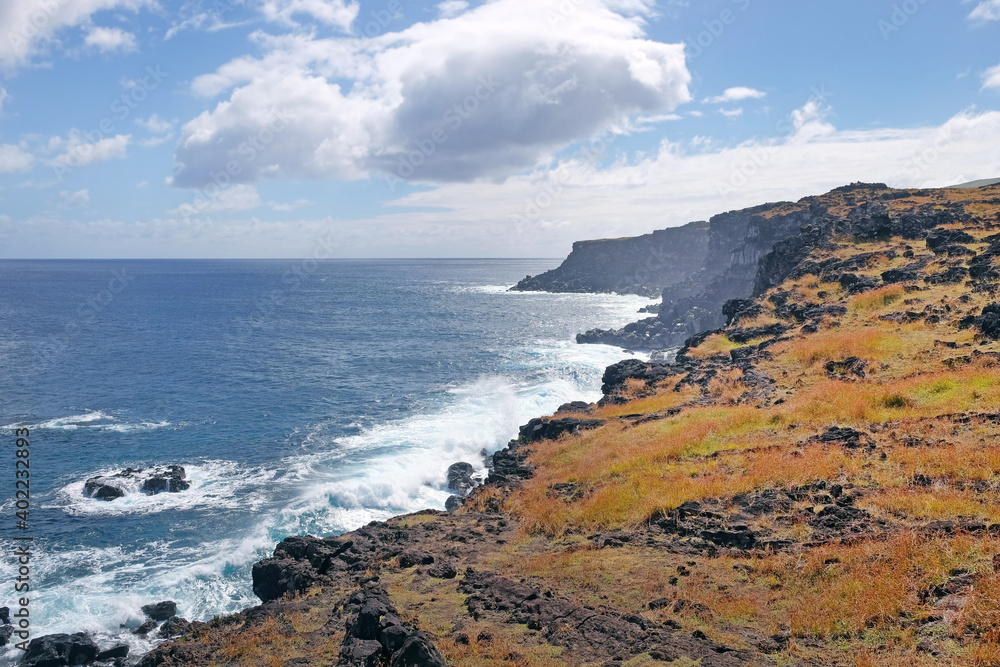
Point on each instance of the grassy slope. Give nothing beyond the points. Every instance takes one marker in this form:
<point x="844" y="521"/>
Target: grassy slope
<point x="861" y="593"/>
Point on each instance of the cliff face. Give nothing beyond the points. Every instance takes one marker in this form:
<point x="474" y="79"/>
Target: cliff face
<point x="748" y="251"/>
<point x="641" y="265"/>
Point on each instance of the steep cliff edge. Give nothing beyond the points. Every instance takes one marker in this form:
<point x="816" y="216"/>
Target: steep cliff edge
<point x="642" y="265"/>
<point x="755" y="248"/>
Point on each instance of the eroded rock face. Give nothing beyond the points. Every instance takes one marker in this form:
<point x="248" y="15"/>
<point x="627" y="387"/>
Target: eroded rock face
<point x="150" y="481"/>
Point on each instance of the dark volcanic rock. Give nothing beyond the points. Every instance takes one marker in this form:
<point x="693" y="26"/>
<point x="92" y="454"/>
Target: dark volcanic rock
<point x="120" y="651"/>
<point x="460" y="477"/>
<point x="615" y="375"/>
<point x="549" y="429"/>
<point x="988" y="323"/>
<point x="849" y="366"/>
<point x="168" y="479"/>
<point x="160" y="611"/>
<point x="59" y="650"/>
<point x="848" y="437"/>
<point x="587" y="634"/>
<point x="376" y="636"/>
<point x="942" y="238"/>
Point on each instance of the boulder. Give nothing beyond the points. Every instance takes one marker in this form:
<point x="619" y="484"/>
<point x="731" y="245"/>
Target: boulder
<point x="417" y="651"/>
<point x="60" y="650"/>
<point x="160" y="611"/>
<point x="120" y="651"/>
<point x="166" y="479"/>
<point x="460" y="477"/>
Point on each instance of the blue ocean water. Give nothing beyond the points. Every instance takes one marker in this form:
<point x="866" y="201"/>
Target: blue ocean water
<point x="300" y="398"/>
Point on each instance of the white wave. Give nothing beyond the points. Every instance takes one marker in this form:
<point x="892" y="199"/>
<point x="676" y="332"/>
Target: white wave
<point x="400" y="467"/>
<point x="108" y="586"/>
<point x="95" y="419"/>
<point x="218" y="484"/>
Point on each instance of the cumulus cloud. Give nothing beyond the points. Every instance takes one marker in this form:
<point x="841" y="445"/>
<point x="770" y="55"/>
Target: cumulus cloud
<point x="29" y="26"/>
<point x="547" y="210"/>
<point x="991" y="77"/>
<point x="335" y="13"/>
<point x="736" y="94"/>
<point x="78" y="150"/>
<point x="108" y="40"/>
<point x="986" y="10"/>
<point x="15" y="158"/>
<point x="3" y="96"/>
<point x="484" y="94"/>
<point x="732" y="113"/>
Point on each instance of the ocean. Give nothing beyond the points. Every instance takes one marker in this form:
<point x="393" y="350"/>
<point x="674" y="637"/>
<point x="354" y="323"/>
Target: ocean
<point x="300" y="397"/>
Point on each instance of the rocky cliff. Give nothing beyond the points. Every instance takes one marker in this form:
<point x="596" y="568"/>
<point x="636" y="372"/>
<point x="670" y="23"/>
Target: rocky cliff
<point x="643" y="265"/>
<point x="751" y="250"/>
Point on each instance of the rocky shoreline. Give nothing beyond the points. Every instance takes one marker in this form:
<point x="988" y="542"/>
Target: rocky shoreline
<point x="817" y="450"/>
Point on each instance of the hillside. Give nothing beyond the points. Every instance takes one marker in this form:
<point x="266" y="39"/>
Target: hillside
<point x="815" y="482"/>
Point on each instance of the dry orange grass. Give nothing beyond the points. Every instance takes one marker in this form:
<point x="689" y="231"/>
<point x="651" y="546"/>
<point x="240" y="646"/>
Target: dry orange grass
<point x="877" y="298"/>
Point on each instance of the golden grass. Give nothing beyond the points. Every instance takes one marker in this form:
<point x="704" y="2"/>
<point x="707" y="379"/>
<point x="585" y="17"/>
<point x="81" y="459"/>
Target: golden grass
<point x="877" y="298"/>
<point x="720" y="344"/>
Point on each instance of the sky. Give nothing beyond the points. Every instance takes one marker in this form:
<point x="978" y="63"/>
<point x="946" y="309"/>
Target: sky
<point x="504" y="128"/>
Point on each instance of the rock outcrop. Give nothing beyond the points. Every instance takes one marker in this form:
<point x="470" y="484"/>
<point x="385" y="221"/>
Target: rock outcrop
<point x="149" y="481"/>
<point x="642" y="265"/>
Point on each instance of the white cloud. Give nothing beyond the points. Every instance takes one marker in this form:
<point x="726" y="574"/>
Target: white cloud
<point x="335" y="13"/>
<point x="3" y="96"/>
<point x="235" y="198"/>
<point x="732" y="113"/>
<point x="78" y="150"/>
<point x="736" y="94"/>
<point x="78" y="198"/>
<point x="107" y="40"/>
<point x="488" y="93"/>
<point x="991" y="77"/>
<point x="450" y="8"/>
<point x="15" y="158"/>
<point x="29" y="26"/>
<point x="155" y="124"/>
<point x="986" y="10"/>
<point x="574" y="199"/>
<point x="679" y="184"/>
<point x="161" y="130"/>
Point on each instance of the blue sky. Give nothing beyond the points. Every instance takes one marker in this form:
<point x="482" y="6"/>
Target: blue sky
<point x="395" y="128"/>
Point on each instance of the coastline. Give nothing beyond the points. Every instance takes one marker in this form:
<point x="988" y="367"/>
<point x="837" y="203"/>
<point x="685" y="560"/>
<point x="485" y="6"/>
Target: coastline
<point x="813" y="482"/>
